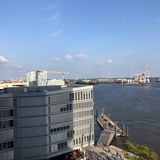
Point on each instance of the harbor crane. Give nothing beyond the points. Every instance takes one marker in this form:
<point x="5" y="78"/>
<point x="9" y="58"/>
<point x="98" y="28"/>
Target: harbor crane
<point x="62" y="73"/>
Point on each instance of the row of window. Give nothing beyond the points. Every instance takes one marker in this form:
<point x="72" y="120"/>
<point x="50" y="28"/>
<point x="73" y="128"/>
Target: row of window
<point x="62" y="145"/>
<point x="58" y="129"/>
<point x="67" y="108"/>
<point x="6" y="113"/>
<point x="82" y="122"/>
<point x="84" y="130"/>
<point x="82" y="105"/>
<point x="6" y="145"/>
<point x="6" y="102"/>
<point x="6" y="124"/>
<point x="70" y="107"/>
<point x="81" y="95"/>
<point x="83" y="139"/>
<point x="83" y="114"/>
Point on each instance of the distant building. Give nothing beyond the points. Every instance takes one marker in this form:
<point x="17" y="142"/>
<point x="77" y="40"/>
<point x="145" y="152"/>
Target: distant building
<point x="50" y="120"/>
<point x="10" y="84"/>
<point x="34" y="78"/>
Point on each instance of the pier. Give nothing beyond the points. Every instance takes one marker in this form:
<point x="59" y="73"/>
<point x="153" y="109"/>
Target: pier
<point x="110" y="130"/>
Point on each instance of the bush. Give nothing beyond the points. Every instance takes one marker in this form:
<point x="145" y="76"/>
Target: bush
<point x="143" y="152"/>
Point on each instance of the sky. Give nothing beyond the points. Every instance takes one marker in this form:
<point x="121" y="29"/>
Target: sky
<point x="87" y="38"/>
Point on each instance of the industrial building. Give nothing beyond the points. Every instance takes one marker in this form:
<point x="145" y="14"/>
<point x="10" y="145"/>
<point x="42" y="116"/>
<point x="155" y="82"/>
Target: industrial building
<point x="50" y="120"/>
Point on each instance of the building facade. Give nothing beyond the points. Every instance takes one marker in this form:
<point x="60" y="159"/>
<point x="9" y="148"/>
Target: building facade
<point x="6" y="127"/>
<point x="51" y="120"/>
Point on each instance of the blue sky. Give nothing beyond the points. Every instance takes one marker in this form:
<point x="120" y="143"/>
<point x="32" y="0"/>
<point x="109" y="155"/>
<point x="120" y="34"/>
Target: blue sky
<point x="87" y="38"/>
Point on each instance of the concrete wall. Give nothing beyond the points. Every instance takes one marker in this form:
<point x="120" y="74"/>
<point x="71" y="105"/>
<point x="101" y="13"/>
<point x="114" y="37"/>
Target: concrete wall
<point x="31" y="126"/>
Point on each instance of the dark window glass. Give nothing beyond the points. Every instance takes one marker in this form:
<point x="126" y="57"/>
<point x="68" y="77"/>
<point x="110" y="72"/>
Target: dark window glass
<point x="70" y="107"/>
<point x="49" y="109"/>
<point x="49" y="100"/>
<point x="15" y="102"/>
<point x="11" y="123"/>
<point x="0" y="146"/>
<point x="49" y="148"/>
<point x="12" y="144"/>
<point x="67" y="106"/>
<point x="71" y="96"/>
<point x="4" y="145"/>
<point x="11" y="112"/>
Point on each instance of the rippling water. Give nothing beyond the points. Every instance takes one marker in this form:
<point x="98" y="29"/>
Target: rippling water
<point x="136" y="106"/>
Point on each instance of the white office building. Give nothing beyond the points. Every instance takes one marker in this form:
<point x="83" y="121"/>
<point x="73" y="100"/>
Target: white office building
<point x="51" y="120"/>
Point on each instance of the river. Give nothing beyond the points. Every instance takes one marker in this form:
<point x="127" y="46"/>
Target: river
<point x="137" y="107"/>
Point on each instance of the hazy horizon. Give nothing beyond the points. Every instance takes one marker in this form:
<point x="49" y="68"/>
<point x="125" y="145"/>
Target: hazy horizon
<point x="85" y="38"/>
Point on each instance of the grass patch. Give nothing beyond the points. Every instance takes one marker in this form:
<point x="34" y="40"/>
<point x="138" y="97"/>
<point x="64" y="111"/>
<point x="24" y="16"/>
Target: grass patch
<point x="143" y="152"/>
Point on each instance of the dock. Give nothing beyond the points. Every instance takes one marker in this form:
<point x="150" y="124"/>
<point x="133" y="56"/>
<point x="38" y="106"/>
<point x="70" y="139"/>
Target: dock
<point x="110" y="130"/>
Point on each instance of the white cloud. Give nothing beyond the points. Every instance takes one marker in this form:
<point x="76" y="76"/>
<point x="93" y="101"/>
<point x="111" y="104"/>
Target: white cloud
<point x="108" y="61"/>
<point x="18" y="66"/>
<point x="56" y="59"/>
<point x="56" y="33"/>
<point x="54" y="17"/>
<point x="68" y="56"/>
<point x="81" y="56"/>
<point x="3" y="60"/>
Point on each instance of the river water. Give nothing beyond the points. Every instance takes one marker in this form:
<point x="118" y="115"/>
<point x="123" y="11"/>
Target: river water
<point x="136" y="106"/>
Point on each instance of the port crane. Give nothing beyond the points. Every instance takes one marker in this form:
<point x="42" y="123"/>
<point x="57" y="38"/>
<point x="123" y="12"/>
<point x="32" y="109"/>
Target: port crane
<point x="62" y="73"/>
<point x="143" y="78"/>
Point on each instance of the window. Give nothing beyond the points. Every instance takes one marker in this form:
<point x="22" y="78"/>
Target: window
<point x="78" y="95"/>
<point x="6" y="145"/>
<point x="74" y="142"/>
<point x="6" y="113"/>
<point x="49" y="148"/>
<point x="92" y="137"/>
<point x="70" y="134"/>
<point x="71" y="96"/>
<point x="49" y="139"/>
<point x="67" y="108"/>
<point x="10" y="144"/>
<point x="6" y="124"/>
<point x="91" y="94"/>
<point x="60" y="129"/>
<point x="81" y="96"/>
<point x="70" y="107"/>
<point x="62" y="145"/>
<point x="11" y="112"/>
<point x="14" y="102"/>
<point x="75" y="96"/>
<point x="49" y="100"/>
<point x="49" y="109"/>
<point x="49" y="119"/>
